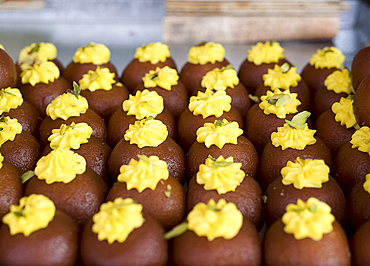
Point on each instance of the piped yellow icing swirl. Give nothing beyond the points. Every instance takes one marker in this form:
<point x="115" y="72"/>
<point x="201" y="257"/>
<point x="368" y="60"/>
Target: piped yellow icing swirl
<point x="60" y="165"/>
<point x="288" y="137"/>
<point x="9" y="128"/>
<point x="144" y="104"/>
<point x="281" y="77"/>
<point x="361" y="139"/>
<point x="164" y="78"/>
<point x="67" y="105"/>
<point x="310" y="173"/>
<point x="214" y="220"/>
<point x="100" y="79"/>
<point x="116" y="220"/>
<point x="329" y="57"/>
<point x="10" y="98"/>
<point x="209" y="52"/>
<point x="219" y="133"/>
<point x="210" y="103"/>
<point x="220" y="174"/>
<point x="343" y="111"/>
<point x="154" y="53"/>
<point x="310" y="219"/>
<point x="37" y="52"/>
<point x="366" y="184"/>
<point x="33" y="213"/>
<point x="1" y="160"/>
<point x="95" y="53"/>
<point x="339" y="81"/>
<point x="268" y="52"/>
<point x="70" y="137"/>
<point x="147" y="133"/>
<point x="40" y="72"/>
<point x="279" y="103"/>
<point x="220" y="79"/>
<point x="144" y="173"/>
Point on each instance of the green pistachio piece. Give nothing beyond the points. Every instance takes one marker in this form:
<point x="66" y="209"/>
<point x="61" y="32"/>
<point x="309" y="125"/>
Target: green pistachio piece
<point x="299" y="120"/>
<point x="176" y="231"/>
<point x="222" y="164"/>
<point x="285" y="68"/>
<point x="27" y="176"/>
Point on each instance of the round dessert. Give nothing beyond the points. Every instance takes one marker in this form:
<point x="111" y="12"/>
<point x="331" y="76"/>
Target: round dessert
<point x="165" y="82"/>
<point x="147" y="181"/>
<point x="361" y="103"/>
<point x="120" y="234"/>
<point x="261" y="57"/>
<point x="88" y="58"/>
<point x="215" y="234"/>
<point x="359" y="243"/>
<point x="360" y="66"/>
<point x="36" y="233"/>
<point x="8" y="72"/>
<point x="201" y="59"/>
<point x="63" y="177"/>
<point x="303" y="179"/>
<point x="148" y="137"/>
<point x="307" y="234"/>
<point x="223" y="178"/>
<point x="147" y="57"/>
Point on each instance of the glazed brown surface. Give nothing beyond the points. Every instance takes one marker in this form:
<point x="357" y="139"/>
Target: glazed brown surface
<point x="360" y="68"/>
<point x="10" y="187"/>
<point x="8" y="72"/>
<point x="361" y="107"/>
<point x="324" y="99"/>
<point x="358" y="201"/>
<point x="315" y="78"/>
<point x="359" y="244"/>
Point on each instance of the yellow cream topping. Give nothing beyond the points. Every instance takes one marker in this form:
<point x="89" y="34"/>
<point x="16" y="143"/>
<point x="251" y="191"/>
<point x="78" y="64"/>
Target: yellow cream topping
<point x="147" y="133"/>
<point x="1" y="160"/>
<point x="10" y="98"/>
<point x="310" y="219"/>
<point x="366" y="184"/>
<point x="220" y="79"/>
<point x="154" y="53"/>
<point x="209" y="52"/>
<point x="164" y="78"/>
<point x="9" y="128"/>
<point x="343" y="111"/>
<point x="67" y="105"/>
<point x="219" y="133"/>
<point x="288" y="137"/>
<point x="361" y="139"/>
<point x="214" y="220"/>
<point x="144" y="104"/>
<point x="268" y="52"/>
<point x="116" y="220"/>
<point x="144" y="173"/>
<point x="210" y="103"/>
<point x="329" y="57"/>
<point x="339" y="81"/>
<point x="220" y="174"/>
<point x="37" y="52"/>
<point x="60" y="165"/>
<point x="32" y="214"/>
<point x="100" y="79"/>
<point x="281" y="77"/>
<point x="40" y="72"/>
<point x="279" y="103"/>
<point x="310" y="173"/>
<point x="70" y="137"/>
<point x="2" y="47"/>
<point x="95" y="53"/>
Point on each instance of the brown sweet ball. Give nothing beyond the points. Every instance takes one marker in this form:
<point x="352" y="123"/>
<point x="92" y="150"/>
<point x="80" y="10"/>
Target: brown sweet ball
<point x="359" y="244"/>
<point x="147" y="57"/>
<point x="361" y="103"/>
<point x="35" y="233"/>
<point x="352" y="162"/>
<point x="202" y="58"/>
<point x="261" y="57"/>
<point x="88" y="58"/>
<point x="142" y="105"/>
<point x="63" y="177"/>
<point x="303" y="179"/>
<point x="325" y="244"/>
<point x="148" y="137"/>
<point x="360" y="68"/>
<point x="8" y="72"/>
<point x="241" y="246"/>
<point x="136" y="240"/>
<point x="223" y="178"/>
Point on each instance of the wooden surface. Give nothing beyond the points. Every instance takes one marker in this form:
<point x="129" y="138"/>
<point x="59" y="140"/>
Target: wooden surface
<point x="21" y="4"/>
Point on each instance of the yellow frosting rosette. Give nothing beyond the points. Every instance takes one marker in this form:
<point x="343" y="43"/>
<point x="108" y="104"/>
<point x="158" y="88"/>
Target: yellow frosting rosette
<point x="164" y="78"/>
<point x="60" y="165"/>
<point x="154" y="53"/>
<point x="1" y="160"/>
<point x="343" y="111"/>
<point x="144" y="173"/>
<point x="309" y="173"/>
<point x="279" y="103"/>
<point x="146" y="133"/>
<point x="100" y="79"/>
<point x="95" y="53"/>
<point x="220" y="79"/>
<point x="220" y="174"/>
<point x="210" y="103"/>
<point x="9" y="128"/>
<point x="281" y="77"/>
<point x="268" y="52"/>
<point x="116" y="220"/>
<point x="40" y="72"/>
<point x="36" y="52"/>
<point x="310" y="219"/>
<point x="33" y="213"/>
<point x="219" y="133"/>
<point x="339" y="81"/>
<point x="71" y="136"/>
<point x="361" y="139"/>
<point x="366" y="184"/>
<point x="329" y="57"/>
<point x="10" y="98"/>
<point x="144" y="104"/>
<point x="209" y="52"/>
